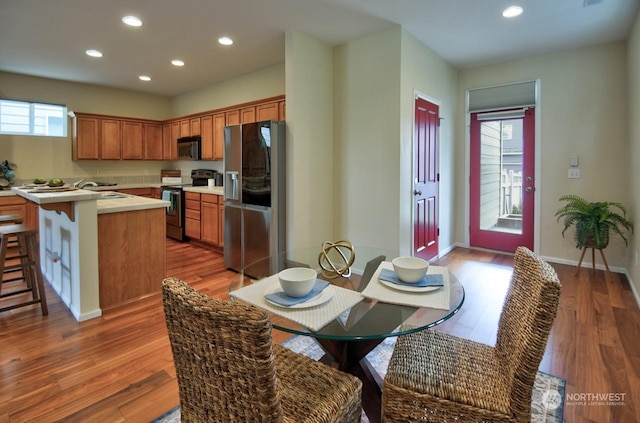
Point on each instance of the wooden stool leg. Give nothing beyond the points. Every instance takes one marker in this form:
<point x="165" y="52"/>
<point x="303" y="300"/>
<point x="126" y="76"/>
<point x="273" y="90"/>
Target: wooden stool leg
<point x="584" y="249"/>
<point x="3" y="254"/>
<point x="23" y="250"/>
<point x="34" y="257"/>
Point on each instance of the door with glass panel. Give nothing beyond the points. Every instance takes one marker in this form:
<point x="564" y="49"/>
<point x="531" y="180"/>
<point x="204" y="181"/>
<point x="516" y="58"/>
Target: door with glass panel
<point x="502" y="179"/>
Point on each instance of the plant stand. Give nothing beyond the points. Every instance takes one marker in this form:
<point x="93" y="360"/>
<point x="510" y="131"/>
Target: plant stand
<point x="593" y="258"/>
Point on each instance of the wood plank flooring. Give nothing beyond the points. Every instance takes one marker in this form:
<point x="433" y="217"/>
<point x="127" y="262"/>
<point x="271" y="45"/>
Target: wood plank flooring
<point x="118" y="368"/>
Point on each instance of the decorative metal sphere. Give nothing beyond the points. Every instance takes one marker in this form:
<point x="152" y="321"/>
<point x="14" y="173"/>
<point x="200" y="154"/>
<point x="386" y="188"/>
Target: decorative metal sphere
<point x="336" y="258"/>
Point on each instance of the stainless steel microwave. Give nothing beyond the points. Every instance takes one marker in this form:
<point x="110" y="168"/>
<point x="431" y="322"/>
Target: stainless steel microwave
<point x="189" y="148"/>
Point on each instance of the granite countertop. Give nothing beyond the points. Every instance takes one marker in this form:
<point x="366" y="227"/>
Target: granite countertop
<point x="129" y="203"/>
<point x="205" y="190"/>
<point x="123" y="203"/>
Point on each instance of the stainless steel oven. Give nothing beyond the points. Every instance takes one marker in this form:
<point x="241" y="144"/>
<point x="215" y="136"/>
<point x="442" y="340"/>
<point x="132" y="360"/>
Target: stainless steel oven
<point x="175" y="212"/>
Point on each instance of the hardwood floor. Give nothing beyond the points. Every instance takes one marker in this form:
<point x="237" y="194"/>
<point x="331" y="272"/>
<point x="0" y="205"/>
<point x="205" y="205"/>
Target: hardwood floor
<point x="118" y="368"/>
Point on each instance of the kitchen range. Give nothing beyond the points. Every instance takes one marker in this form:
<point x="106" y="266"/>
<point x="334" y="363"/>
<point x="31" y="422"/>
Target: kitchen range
<point x="174" y="192"/>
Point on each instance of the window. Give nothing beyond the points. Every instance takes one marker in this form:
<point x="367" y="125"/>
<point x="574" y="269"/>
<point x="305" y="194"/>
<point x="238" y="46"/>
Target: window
<point x="25" y="118"/>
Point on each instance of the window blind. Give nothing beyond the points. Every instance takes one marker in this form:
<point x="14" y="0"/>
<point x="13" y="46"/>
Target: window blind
<point x="520" y="94"/>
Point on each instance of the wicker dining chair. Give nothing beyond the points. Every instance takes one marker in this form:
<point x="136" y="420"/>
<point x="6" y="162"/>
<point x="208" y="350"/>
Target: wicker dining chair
<point x="437" y="377"/>
<point x="229" y="370"/>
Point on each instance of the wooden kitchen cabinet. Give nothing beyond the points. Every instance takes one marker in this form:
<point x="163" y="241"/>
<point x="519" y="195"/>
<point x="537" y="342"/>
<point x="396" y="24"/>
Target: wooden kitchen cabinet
<point x="248" y="114"/>
<point x="267" y="111"/>
<point x="210" y="230"/>
<point x="152" y="141"/>
<point x="86" y="138"/>
<point x="206" y="142"/>
<point x="185" y="128"/>
<point x="100" y="137"/>
<point x="233" y="117"/>
<point x="110" y="139"/>
<point x="142" y="192"/>
<point x="192" y="215"/>
<point x="170" y="140"/>
<point x="169" y="145"/>
<point x="219" y="122"/>
<point x="132" y="143"/>
<point x="194" y="126"/>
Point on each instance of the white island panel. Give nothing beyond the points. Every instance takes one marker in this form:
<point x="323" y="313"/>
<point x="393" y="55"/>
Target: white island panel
<point x="69" y="252"/>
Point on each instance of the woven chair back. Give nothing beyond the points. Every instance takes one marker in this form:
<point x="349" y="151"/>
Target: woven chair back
<point x="223" y="355"/>
<point x="527" y="316"/>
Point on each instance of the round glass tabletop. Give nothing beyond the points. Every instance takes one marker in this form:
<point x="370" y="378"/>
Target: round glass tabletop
<point x="382" y="311"/>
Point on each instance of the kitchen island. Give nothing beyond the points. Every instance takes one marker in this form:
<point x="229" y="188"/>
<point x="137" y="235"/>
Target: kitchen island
<point x="99" y="250"/>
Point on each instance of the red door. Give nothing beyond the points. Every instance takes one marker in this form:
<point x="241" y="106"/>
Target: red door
<point x="502" y="179"/>
<point x="426" y="180"/>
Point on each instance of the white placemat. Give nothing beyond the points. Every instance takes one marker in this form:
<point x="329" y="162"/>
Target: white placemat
<point x="440" y="298"/>
<point x="314" y="318"/>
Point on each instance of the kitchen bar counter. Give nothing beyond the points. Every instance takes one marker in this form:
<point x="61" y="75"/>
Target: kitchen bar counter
<point x="90" y="273"/>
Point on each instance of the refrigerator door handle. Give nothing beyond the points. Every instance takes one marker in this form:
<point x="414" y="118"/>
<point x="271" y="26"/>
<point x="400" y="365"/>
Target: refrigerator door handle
<point x="231" y="186"/>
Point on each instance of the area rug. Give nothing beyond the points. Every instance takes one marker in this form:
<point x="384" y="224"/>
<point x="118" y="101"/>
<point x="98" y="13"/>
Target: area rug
<point x="547" y="404"/>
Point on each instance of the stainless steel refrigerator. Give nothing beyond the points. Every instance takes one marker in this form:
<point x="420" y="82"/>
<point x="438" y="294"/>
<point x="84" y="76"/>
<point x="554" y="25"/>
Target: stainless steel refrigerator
<point x="254" y="194"/>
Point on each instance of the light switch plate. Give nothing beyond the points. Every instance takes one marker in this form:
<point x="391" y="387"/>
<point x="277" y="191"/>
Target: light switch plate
<point x="573" y="161"/>
<point x="574" y="173"/>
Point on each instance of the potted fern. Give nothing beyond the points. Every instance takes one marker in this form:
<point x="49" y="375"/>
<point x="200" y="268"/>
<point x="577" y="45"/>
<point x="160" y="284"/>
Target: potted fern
<point x="593" y="221"/>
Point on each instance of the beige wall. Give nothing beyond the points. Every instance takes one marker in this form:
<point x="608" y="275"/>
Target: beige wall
<point x="264" y="83"/>
<point x="633" y="157"/>
<point x="367" y="138"/>
<point x="583" y="112"/>
<point x="309" y="76"/>
<point x="50" y="157"/>
<point x="426" y="74"/>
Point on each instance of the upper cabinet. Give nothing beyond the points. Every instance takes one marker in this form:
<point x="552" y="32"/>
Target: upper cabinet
<point x="87" y="131"/>
<point x="110" y="139"/>
<point x="132" y="143"/>
<point x="153" y="141"/>
<point x="99" y="137"/>
<point x="268" y="111"/>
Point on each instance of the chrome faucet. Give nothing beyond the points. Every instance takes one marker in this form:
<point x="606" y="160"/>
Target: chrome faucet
<point x="76" y="183"/>
<point x="88" y="184"/>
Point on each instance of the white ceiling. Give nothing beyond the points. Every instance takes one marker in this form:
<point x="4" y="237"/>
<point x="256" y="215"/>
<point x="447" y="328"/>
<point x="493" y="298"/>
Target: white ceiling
<point x="48" y="38"/>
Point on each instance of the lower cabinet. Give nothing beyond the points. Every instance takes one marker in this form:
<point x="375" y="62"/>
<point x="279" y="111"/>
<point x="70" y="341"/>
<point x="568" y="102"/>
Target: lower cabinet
<point x="192" y="215"/>
<point x="204" y="218"/>
<point x="210" y="224"/>
<point x="14" y="204"/>
<point x="142" y="192"/>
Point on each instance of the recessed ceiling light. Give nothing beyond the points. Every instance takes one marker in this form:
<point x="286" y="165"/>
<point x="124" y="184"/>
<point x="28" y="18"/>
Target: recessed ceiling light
<point x="144" y="78"/>
<point x="93" y="53"/>
<point x="177" y="62"/>
<point x="512" y="11"/>
<point x="225" y="41"/>
<point x="132" y="21"/>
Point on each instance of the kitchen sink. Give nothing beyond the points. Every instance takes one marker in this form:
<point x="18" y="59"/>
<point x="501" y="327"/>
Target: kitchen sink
<point x="111" y="195"/>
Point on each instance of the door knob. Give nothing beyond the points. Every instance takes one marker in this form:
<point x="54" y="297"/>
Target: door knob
<point x="416" y="192"/>
<point x="528" y="189"/>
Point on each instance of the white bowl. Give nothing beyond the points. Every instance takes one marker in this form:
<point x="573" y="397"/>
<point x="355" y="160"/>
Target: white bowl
<point x="297" y="281"/>
<point x="410" y="269"/>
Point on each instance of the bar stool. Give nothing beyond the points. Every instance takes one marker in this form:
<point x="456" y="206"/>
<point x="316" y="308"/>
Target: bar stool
<point x="12" y="219"/>
<point x="28" y="262"/>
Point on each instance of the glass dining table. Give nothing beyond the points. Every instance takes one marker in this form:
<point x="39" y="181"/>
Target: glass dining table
<point x="350" y="323"/>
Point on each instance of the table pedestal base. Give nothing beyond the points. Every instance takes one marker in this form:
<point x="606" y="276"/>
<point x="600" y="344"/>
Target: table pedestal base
<point x="349" y="356"/>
